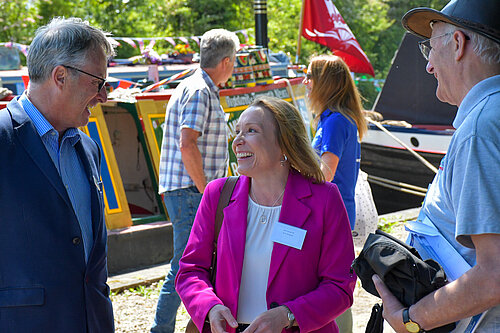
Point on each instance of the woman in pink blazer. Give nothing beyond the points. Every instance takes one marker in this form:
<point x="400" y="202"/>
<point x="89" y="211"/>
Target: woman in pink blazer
<point x="285" y="246"/>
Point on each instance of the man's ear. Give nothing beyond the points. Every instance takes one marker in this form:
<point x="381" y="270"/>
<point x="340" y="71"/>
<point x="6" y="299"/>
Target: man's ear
<point x="59" y="76"/>
<point x="459" y="40"/>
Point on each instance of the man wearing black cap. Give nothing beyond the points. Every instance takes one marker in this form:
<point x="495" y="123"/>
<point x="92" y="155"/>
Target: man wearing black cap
<point x="463" y="202"/>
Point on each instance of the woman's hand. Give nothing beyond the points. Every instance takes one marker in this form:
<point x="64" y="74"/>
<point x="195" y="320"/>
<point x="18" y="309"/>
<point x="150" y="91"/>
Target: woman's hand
<point x="271" y="321"/>
<point x="218" y="316"/>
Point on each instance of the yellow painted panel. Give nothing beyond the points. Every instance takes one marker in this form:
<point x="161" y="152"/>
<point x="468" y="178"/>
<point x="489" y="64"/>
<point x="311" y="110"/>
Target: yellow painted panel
<point x="152" y="114"/>
<point x="117" y="212"/>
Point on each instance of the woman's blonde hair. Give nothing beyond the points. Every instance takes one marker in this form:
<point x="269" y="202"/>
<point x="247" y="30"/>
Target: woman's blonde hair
<point x="292" y="137"/>
<point x="334" y="88"/>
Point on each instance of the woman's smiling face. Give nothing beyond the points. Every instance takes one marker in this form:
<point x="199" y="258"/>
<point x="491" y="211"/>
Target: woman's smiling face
<point x="256" y="146"/>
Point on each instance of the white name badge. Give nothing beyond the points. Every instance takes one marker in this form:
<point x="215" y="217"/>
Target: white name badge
<point x="288" y="235"/>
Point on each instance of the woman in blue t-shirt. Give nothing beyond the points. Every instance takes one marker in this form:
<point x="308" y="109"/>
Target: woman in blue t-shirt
<point x="336" y="104"/>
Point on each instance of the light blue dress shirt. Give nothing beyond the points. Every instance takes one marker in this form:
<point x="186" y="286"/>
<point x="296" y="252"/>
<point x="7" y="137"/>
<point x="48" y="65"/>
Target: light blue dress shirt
<point x="69" y="166"/>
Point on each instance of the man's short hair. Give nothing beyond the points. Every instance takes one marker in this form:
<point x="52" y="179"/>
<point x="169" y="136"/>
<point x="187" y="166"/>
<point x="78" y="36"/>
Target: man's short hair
<point x="64" y="41"/>
<point x="217" y="44"/>
<point x="485" y="48"/>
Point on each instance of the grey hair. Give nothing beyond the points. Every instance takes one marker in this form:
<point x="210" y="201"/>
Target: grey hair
<point x="62" y="41"/>
<point x="486" y="49"/>
<point x="217" y="44"/>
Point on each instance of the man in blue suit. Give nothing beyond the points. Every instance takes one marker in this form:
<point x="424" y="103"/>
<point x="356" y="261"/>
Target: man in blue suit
<point x="52" y="233"/>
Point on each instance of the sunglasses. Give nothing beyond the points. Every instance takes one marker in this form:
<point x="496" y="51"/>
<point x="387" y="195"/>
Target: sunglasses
<point x="101" y="83"/>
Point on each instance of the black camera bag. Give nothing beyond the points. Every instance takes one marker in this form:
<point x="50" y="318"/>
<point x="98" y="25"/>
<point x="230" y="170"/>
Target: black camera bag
<point x="403" y="271"/>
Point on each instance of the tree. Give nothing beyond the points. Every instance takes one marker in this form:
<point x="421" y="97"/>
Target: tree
<point x="194" y="17"/>
<point x="375" y="23"/>
<point x="17" y="21"/>
<point x="47" y="9"/>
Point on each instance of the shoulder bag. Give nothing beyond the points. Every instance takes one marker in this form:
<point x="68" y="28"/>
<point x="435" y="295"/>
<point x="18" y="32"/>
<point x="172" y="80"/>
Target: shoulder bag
<point x="225" y="196"/>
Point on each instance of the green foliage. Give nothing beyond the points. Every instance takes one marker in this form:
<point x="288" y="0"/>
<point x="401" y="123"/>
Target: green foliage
<point x="146" y="289"/>
<point x="283" y="30"/>
<point x="368" y="92"/>
<point x="17" y="21"/>
<point x="127" y="18"/>
<point x="377" y="27"/>
<point x="194" y="17"/>
<point x="386" y="226"/>
<point x="375" y="23"/>
<point x="142" y="290"/>
<point x="47" y="9"/>
<point x="390" y="39"/>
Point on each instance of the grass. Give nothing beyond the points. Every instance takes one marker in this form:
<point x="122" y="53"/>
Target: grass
<point x="387" y="226"/>
<point x="142" y="290"/>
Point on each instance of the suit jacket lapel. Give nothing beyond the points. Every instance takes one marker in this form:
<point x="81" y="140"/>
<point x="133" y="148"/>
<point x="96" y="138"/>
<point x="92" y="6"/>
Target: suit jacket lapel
<point x="34" y="147"/>
<point x="95" y="187"/>
<point x="293" y="212"/>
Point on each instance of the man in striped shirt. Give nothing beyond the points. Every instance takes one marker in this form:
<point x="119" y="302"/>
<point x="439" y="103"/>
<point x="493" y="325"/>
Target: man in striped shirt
<point x="194" y="151"/>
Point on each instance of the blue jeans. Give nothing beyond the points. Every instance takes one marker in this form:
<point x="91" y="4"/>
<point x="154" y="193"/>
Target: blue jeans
<point x="181" y="205"/>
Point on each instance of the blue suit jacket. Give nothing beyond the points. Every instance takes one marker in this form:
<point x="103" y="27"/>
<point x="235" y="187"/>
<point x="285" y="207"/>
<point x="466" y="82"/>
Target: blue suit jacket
<point x="45" y="284"/>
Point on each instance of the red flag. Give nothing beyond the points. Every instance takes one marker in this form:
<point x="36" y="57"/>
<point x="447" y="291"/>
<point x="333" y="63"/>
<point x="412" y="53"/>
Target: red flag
<point x="125" y="84"/>
<point x="323" y="24"/>
<point x="26" y="80"/>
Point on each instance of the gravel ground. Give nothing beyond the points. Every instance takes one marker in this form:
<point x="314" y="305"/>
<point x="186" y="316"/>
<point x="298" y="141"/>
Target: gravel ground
<point x="134" y="310"/>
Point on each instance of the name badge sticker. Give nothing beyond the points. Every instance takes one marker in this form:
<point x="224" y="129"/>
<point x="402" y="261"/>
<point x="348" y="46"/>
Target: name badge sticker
<point x="288" y="235"/>
<point x="98" y="184"/>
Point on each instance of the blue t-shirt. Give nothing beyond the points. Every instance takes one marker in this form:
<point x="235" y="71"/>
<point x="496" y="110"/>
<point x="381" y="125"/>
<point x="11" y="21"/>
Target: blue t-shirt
<point x="338" y="135"/>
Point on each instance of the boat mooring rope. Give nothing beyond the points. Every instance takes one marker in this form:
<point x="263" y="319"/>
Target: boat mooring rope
<point x="398" y="186"/>
<point x="395" y="185"/>
<point x="414" y="153"/>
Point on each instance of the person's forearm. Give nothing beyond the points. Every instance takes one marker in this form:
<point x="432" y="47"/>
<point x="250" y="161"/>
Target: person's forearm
<point x="473" y="293"/>
<point x="192" y="159"/>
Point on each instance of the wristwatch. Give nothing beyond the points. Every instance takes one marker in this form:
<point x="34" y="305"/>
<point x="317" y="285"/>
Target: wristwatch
<point x="291" y="317"/>
<point x="410" y="325"/>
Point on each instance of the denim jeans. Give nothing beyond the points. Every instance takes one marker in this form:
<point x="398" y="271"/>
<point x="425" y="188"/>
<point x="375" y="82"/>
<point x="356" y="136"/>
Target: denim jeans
<point x="181" y="205"/>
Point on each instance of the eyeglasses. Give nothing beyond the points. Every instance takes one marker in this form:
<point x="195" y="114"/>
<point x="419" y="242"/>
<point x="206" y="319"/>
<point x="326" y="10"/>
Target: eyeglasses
<point x="99" y="86"/>
<point x="308" y="75"/>
<point x="425" y="45"/>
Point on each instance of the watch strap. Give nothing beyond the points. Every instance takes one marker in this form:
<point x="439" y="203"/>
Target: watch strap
<point x="410" y="325"/>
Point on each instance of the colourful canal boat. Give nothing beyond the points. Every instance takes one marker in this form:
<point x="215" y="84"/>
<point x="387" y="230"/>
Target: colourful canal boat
<point x="130" y="134"/>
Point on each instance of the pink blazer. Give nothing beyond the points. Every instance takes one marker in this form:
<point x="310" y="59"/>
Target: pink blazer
<point x="315" y="283"/>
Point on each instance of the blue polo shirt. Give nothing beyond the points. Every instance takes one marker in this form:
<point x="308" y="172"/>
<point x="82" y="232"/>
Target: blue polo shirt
<point x="338" y="135"/>
<point x="464" y="197"/>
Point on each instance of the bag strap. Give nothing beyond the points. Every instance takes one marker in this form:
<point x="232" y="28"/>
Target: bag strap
<point x="225" y="196"/>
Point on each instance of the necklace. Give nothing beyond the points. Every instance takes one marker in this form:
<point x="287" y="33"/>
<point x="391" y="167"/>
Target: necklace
<point x="263" y="216"/>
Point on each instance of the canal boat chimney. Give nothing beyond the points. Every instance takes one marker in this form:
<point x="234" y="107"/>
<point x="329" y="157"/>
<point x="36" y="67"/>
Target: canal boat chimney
<point x="260" y="10"/>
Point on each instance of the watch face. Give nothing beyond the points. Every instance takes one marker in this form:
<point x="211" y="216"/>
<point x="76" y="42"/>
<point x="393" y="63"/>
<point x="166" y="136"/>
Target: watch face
<point x="412" y="327"/>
